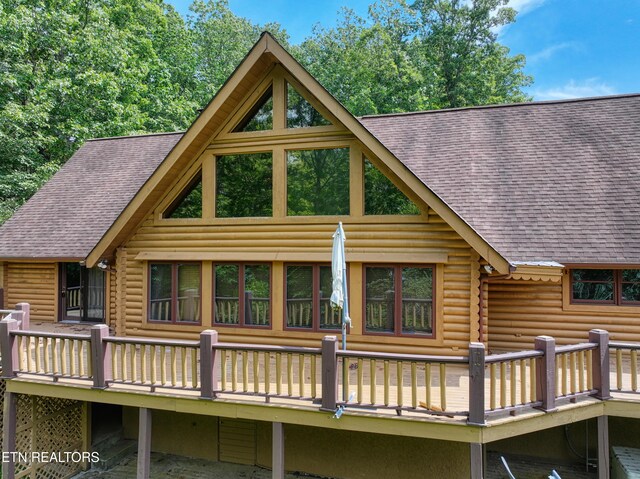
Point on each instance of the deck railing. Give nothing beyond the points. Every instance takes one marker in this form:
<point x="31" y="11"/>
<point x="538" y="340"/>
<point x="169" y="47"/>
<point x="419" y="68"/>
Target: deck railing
<point x="477" y="386"/>
<point x="625" y="366"/>
<point x="403" y="381"/>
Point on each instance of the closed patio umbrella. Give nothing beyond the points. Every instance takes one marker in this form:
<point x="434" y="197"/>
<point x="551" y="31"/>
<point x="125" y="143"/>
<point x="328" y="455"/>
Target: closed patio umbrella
<point x="339" y="296"/>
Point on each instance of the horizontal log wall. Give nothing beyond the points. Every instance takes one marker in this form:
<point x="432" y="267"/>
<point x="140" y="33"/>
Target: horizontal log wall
<point x="521" y="310"/>
<point x="422" y="236"/>
<point x="33" y="283"/>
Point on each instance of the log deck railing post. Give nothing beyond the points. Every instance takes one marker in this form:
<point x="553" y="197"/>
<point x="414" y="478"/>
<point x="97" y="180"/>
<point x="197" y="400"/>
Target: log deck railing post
<point x="600" y="363"/>
<point x="546" y="373"/>
<point x="208" y="376"/>
<point x="26" y="315"/>
<point x="329" y="373"/>
<point x="8" y="347"/>
<point x="100" y="356"/>
<point x="476" y="384"/>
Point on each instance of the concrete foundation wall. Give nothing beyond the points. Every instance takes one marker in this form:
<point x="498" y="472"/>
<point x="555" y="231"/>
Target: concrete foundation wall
<point x="334" y="453"/>
<point x="186" y="435"/>
<point x="330" y="453"/>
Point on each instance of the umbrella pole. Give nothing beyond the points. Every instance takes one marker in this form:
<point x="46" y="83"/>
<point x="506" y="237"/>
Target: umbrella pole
<point x="345" y="314"/>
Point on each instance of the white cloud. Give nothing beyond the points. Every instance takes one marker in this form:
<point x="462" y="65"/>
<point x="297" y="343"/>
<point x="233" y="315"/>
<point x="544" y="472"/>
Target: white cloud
<point x="573" y="89"/>
<point x="525" y="6"/>
<point x="522" y="7"/>
<point x="552" y="50"/>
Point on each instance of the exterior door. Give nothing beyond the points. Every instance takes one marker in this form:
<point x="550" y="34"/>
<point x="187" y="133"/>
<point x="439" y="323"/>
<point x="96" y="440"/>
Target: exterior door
<point x="82" y="293"/>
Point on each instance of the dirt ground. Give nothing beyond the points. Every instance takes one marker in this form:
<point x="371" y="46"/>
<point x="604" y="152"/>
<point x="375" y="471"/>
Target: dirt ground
<point x="166" y="466"/>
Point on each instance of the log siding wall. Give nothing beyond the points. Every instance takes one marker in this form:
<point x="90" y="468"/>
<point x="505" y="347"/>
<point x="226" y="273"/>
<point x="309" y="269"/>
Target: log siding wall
<point x="34" y="283"/>
<point x="521" y="310"/>
<point x="424" y="235"/>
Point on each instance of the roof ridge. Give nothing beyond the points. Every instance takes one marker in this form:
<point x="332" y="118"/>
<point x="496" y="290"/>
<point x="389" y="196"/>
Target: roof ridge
<point x="505" y="105"/>
<point x="139" y="135"/>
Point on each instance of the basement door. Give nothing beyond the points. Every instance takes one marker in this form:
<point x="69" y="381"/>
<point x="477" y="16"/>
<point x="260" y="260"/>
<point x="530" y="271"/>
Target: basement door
<point x="82" y="293"/>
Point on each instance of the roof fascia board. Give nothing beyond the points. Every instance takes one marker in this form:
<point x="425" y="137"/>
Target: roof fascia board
<point x="203" y="119"/>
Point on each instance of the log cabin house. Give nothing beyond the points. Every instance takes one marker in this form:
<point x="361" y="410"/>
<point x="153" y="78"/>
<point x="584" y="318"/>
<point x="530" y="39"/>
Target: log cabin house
<point x="471" y="233"/>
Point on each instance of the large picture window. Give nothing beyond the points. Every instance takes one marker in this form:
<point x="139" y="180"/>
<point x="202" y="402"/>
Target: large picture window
<point x="605" y="286"/>
<point x="318" y="182"/>
<point x="382" y="197"/>
<point x="174" y="292"/>
<point x="399" y="300"/>
<point x="308" y="290"/>
<point x="244" y="185"/>
<point x="242" y="294"/>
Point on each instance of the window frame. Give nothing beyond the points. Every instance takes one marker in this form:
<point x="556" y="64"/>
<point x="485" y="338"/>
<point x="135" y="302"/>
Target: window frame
<point x="617" y="289"/>
<point x="241" y="294"/>
<point x="288" y="149"/>
<point x="217" y="155"/>
<point x="315" y="298"/>
<point x="174" y="293"/>
<point x="397" y="284"/>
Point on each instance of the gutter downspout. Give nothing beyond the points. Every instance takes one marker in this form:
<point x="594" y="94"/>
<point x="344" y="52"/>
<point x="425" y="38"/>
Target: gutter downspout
<point x="484" y="279"/>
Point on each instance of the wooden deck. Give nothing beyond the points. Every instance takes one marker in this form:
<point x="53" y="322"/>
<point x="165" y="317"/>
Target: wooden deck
<point x="439" y="388"/>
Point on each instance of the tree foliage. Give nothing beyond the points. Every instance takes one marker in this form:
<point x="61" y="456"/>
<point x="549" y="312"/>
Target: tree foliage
<point x="78" y="69"/>
<point x="428" y="55"/>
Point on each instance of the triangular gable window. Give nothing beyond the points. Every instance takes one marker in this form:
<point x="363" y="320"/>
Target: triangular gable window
<point x="260" y="117"/>
<point x="189" y="203"/>
<point x="382" y="197"/>
<point x="300" y="113"/>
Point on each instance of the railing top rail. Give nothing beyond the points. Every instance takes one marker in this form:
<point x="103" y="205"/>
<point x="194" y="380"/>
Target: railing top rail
<point x="6" y="311"/>
<point x="44" y="334"/>
<point x="266" y="348"/>
<point x="572" y="348"/>
<point x="623" y="345"/>
<point x="152" y="342"/>
<point x="515" y="356"/>
<point x="405" y="357"/>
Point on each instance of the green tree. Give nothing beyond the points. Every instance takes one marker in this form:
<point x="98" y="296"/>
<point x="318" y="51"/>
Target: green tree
<point x="221" y="40"/>
<point x="460" y="55"/>
<point x="428" y="55"/>
<point x="77" y="69"/>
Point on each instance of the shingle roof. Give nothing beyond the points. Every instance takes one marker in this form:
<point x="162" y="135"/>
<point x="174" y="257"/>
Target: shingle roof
<point x="67" y="217"/>
<point x="539" y="181"/>
<point x="546" y="181"/>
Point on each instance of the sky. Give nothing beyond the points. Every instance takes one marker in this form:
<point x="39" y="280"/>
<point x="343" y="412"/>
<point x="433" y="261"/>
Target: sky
<point x="574" y="48"/>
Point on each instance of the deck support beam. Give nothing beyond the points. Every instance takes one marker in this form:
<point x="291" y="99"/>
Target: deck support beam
<point x="10" y="419"/>
<point x="477" y="460"/>
<point x="603" y="447"/>
<point x="144" y="443"/>
<point x="277" y="451"/>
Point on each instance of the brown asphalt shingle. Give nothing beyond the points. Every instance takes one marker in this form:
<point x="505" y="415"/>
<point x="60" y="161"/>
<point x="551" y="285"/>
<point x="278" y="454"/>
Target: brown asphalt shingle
<point x="67" y="217"/>
<point x="539" y="181"/>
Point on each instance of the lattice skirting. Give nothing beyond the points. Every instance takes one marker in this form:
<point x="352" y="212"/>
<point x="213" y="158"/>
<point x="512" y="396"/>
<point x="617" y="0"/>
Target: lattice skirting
<point x="49" y="425"/>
